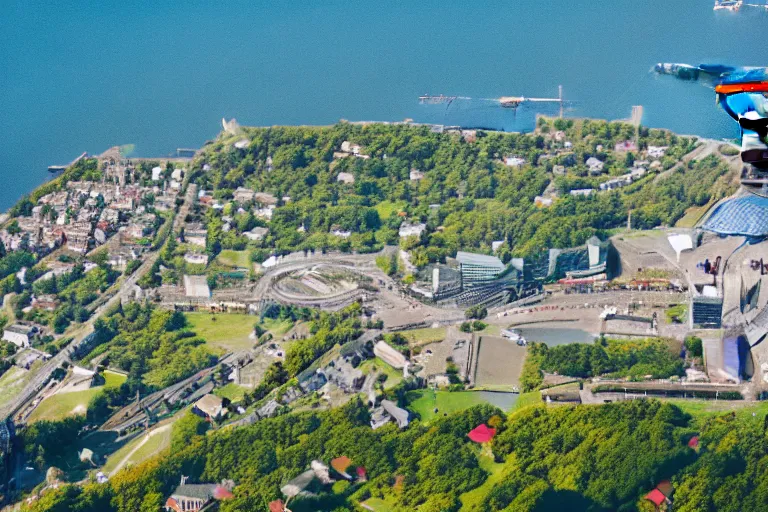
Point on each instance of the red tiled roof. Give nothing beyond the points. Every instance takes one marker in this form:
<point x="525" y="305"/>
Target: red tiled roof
<point x="665" y="486"/>
<point x="361" y="472"/>
<point x="174" y="505"/>
<point x="222" y="493"/>
<point x="276" y="506"/>
<point x="482" y="433"/>
<point x="656" y="497"/>
<point x="340" y="464"/>
<point x="694" y="442"/>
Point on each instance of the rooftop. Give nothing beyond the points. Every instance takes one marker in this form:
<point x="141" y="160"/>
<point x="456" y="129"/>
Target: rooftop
<point x="744" y="216"/>
<point x="470" y="258"/>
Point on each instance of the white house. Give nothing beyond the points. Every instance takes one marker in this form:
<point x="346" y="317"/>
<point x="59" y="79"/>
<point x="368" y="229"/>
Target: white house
<point x="257" y="233"/>
<point x="595" y="165"/>
<point x="416" y="175"/>
<point x="345" y="177"/>
<point x="407" y="229"/>
<point x="657" y="151"/>
<point x="19" y="334"/>
<point x="514" y="161"/>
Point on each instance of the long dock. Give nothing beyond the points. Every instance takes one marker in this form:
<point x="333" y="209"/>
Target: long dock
<point x="60" y="168"/>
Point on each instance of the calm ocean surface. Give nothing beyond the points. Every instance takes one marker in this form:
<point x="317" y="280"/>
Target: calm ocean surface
<point x="83" y="76"/>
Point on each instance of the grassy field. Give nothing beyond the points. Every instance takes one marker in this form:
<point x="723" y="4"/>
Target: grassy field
<point x="424" y="401"/>
<point x="276" y="326"/>
<point x="60" y="405"/>
<point x="140" y="449"/>
<point x="388" y="208"/>
<point x="424" y="336"/>
<point x="526" y="399"/>
<point x="238" y="259"/>
<point x="14" y="381"/>
<point x="394" y="376"/>
<point x="495" y="474"/>
<point x="233" y="391"/>
<point x="693" y="215"/>
<point x="228" y="331"/>
<point x="701" y="410"/>
<point x="380" y="505"/>
<point x="491" y="330"/>
<point x="231" y="331"/>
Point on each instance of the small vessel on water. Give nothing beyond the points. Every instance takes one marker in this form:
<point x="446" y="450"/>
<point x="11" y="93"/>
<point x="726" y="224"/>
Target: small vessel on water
<point x="728" y="5"/>
<point x="515" y="336"/>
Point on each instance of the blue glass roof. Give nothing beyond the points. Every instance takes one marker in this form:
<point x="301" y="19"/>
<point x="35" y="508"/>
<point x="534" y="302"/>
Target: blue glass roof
<point x="742" y="216"/>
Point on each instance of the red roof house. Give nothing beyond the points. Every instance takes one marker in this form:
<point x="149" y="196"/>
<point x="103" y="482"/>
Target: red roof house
<point x="693" y="442"/>
<point x="482" y="433"/>
<point x="656" y="497"/>
<point x="361" y="474"/>
<point x="341" y="464"/>
<point x="276" y="506"/>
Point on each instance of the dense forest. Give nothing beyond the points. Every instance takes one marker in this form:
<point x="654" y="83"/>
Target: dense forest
<point x="586" y="458"/>
<point x="467" y="196"/>
<point x="152" y="345"/>
<point x="657" y="357"/>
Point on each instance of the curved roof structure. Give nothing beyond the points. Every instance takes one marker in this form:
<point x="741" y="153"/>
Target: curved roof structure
<point x="742" y="216"/>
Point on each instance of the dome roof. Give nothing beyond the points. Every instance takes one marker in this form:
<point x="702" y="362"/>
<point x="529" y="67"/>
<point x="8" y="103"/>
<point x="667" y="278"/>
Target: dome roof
<point x="742" y="216"/>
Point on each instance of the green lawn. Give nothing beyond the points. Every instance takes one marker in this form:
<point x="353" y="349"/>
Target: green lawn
<point x="227" y="331"/>
<point x="140" y="449"/>
<point x="380" y="505"/>
<point x="526" y="399"/>
<point x="276" y="326"/>
<point x="60" y="405"/>
<point x="424" y="401"/>
<point x="495" y="474"/>
<point x="230" y="258"/>
<point x="491" y="330"/>
<point x="701" y="410"/>
<point x="233" y="391"/>
<point x="14" y="381"/>
<point x="394" y="376"/>
<point x="388" y="208"/>
<point x="113" y="379"/>
<point x="424" y="336"/>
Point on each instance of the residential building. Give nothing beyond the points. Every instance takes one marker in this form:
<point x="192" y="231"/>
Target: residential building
<point x="416" y="175"/>
<point x="19" y="334"/>
<point x="625" y="147"/>
<point x="514" y="161"/>
<point x="657" y="151"/>
<point x="386" y="412"/>
<point x="582" y="192"/>
<point x="257" y="233"/>
<point x="194" y="497"/>
<point x="407" y="229"/>
<point x="243" y="195"/>
<point x="595" y="166"/>
<point x="211" y="406"/>
<point x="345" y="177"/>
<point x="265" y="199"/>
<point x="389" y="355"/>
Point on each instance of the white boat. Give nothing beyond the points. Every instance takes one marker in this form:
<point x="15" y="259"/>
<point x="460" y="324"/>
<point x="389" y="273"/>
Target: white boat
<point x="728" y="5"/>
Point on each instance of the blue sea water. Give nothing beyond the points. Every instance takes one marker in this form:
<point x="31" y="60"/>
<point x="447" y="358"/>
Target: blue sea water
<point x="83" y="76"/>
